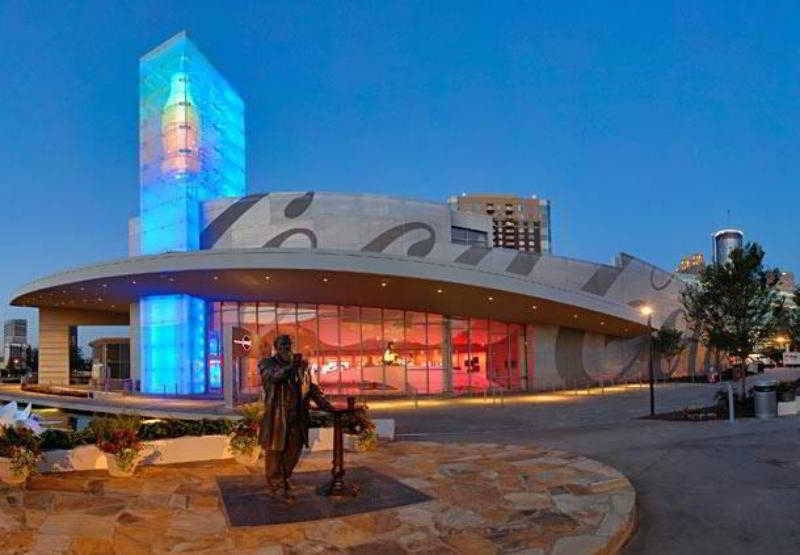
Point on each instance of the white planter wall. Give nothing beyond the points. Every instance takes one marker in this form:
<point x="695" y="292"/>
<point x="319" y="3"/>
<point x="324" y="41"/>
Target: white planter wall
<point x="789" y="408"/>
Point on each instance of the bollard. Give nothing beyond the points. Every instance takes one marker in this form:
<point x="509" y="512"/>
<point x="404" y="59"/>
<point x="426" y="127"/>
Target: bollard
<point x="731" y="415"/>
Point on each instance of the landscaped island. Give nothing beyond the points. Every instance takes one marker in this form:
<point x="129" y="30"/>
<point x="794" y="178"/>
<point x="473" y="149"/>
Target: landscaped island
<point x="120" y="443"/>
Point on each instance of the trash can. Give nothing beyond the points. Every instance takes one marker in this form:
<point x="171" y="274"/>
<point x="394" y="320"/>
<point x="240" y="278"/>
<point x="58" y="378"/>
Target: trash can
<point x="766" y="397"/>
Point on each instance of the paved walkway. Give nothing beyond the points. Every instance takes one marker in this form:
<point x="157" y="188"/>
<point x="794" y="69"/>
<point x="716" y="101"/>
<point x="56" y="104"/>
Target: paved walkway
<point x="486" y="499"/>
<point x="702" y="487"/>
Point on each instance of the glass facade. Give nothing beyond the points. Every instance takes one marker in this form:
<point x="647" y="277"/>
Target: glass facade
<point x="117" y="360"/>
<point x="173" y="349"/>
<point x="191" y="144"/>
<point x="367" y="350"/>
<point x="191" y="149"/>
<point x="471" y="237"/>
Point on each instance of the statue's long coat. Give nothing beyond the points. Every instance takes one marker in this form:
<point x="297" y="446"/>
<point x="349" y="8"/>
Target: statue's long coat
<point x="288" y="391"/>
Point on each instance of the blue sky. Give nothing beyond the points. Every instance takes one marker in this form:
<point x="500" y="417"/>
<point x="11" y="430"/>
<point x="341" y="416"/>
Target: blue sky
<point x="644" y="123"/>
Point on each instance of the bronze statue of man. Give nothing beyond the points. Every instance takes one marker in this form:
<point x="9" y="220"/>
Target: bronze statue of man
<point x="284" y="428"/>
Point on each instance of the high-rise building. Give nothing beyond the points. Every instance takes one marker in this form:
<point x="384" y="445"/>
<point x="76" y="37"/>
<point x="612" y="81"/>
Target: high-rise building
<point x="724" y="242"/>
<point x="692" y="263"/>
<point x="191" y="139"/>
<point x="15" y="341"/>
<point x="15" y="331"/>
<point x="783" y="281"/>
<point x="786" y="281"/>
<point x="517" y="223"/>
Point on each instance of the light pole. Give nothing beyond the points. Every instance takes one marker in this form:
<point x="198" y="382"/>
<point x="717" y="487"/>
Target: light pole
<point x="648" y="311"/>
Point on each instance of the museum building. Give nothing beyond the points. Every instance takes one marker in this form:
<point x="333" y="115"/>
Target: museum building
<point x="383" y="295"/>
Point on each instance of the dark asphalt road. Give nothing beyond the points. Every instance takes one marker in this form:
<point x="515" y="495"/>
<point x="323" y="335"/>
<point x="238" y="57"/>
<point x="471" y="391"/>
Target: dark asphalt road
<point x="707" y="487"/>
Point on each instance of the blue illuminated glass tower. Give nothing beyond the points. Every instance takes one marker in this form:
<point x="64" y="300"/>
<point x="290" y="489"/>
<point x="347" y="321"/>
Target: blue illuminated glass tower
<point x="191" y="149"/>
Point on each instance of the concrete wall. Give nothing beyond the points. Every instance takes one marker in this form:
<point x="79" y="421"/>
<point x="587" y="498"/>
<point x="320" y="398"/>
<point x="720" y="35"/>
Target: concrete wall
<point x="54" y="330"/>
<point x="568" y="357"/>
<point x="335" y="221"/>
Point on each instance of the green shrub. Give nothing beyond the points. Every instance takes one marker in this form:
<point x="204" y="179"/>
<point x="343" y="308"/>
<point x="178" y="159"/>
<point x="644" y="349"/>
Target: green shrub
<point x="59" y="439"/>
<point x="171" y="428"/>
<point x="104" y="426"/>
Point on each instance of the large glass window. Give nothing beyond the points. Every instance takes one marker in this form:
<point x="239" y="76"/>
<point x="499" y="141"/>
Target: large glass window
<point x="372" y="348"/>
<point x="354" y="349"/>
<point x="308" y="334"/>
<point x="329" y="345"/>
<point x="118" y="361"/>
<point x="466" y="236"/>
<point x="248" y="367"/>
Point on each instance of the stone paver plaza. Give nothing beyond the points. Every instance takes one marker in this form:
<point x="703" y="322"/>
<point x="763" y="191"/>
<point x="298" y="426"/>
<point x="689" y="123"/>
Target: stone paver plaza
<point x="486" y="498"/>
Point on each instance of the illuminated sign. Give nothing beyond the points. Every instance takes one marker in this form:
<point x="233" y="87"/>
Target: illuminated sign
<point x="242" y="343"/>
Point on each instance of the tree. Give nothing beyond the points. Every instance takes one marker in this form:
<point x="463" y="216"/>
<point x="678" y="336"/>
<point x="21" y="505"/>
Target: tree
<point x="792" y="323"/>
<point x="735" y="307"/>
<point x="667" y="344"/>
<point x="76" y="360"/>
<point x="32" y="358"/>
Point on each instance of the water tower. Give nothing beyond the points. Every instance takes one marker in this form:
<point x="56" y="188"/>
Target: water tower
<point x="724" y="241"/>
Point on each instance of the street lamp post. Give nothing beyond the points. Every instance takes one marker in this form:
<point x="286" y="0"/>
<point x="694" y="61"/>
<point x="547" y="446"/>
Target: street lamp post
<point x="648" y="311"/>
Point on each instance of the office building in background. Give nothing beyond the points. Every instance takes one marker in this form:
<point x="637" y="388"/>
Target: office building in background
<point x="786" y="281"/>
<point x="692" y="263"/>
<point x="517" y="223"/>
<point x="15" y="341"/>
<point x="724" y="242"/>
